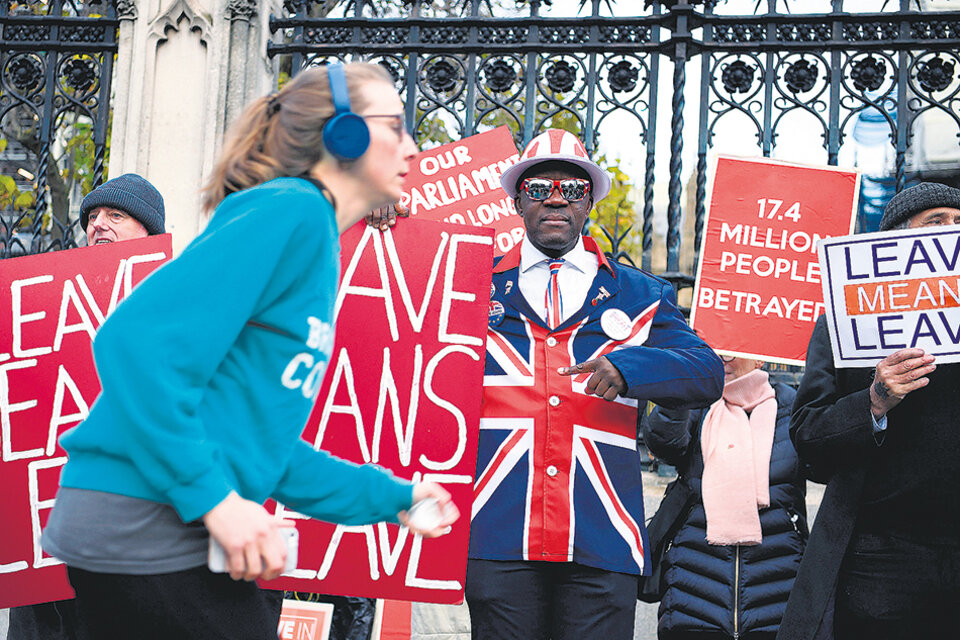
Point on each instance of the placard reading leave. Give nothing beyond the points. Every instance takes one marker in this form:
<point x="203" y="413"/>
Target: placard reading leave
<point x="892" y="290"/>
<point x="52" y="306"/>
<point x="402" y="390"/>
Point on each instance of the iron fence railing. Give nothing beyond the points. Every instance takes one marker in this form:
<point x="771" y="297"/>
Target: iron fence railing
<point x="488" y="63"/>
<point x="56" y="66"/>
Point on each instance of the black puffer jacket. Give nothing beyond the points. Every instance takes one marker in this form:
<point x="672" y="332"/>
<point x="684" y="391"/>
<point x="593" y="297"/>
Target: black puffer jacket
<point x="735" y="590"/>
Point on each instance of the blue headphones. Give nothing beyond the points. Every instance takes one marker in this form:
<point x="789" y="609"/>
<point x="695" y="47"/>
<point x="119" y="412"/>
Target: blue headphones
<point x="345" y="135"/>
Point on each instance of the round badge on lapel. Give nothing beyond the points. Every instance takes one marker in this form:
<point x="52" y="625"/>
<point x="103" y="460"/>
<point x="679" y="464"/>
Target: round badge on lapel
<point x="616" y="324"/>
<point x="496" y="313"/>
<point x="493" y="289"/>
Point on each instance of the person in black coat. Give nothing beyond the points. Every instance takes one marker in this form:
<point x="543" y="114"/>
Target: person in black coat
<point x="717" y="586"/>
<point x="884" y="555"/>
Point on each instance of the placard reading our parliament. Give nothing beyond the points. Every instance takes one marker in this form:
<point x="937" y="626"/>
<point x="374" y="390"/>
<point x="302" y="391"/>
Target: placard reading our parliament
<point x="459" y="182"/>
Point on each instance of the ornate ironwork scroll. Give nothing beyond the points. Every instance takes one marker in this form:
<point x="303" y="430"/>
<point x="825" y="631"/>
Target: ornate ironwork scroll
<point x="56" y="63"/>
<point x="599" y="70"/>
<point x="469" y="72"/>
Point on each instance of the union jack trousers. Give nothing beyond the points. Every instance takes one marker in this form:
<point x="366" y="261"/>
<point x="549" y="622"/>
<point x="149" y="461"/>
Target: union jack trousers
<point x="558" y="471"/>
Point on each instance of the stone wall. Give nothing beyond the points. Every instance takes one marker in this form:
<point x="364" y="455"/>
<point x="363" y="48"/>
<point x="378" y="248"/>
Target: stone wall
<point x="185" y="68"/>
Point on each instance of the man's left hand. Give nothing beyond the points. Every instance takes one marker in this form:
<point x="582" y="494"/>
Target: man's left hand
<point x="606" y="380"/>
<point x="385" y="217"/>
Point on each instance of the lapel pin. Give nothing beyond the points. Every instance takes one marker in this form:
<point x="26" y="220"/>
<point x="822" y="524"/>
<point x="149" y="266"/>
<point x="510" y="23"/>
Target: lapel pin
<point x="603" y="295"/>
<point x="496" y="313"/>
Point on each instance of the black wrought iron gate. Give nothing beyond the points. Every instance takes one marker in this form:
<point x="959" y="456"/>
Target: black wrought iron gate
<point x="466" y="65"/>
<point x="56" y="63"/>
<point x="476" y="63"/>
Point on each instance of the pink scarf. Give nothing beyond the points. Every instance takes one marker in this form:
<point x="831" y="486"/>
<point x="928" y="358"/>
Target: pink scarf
<point x="736" y="459"/>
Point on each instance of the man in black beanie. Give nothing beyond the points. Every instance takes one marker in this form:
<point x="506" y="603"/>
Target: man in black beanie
<point x="883" y="560"/>
<point x="124" y="208"/>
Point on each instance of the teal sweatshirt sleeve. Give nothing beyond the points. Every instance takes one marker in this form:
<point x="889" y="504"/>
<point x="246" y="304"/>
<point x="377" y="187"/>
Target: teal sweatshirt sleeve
<point x="327" y="488"/>
<point x="156" y="365"/>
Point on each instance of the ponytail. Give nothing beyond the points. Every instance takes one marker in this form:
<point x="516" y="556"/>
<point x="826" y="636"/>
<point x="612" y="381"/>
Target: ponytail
<point x="282" y="134"/>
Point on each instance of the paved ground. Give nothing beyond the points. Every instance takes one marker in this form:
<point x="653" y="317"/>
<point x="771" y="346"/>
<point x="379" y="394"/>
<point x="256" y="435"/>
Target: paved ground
<point x="646" y="625"/>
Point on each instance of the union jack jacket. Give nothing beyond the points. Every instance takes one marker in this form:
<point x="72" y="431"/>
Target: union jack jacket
<point x="558" y="471"/>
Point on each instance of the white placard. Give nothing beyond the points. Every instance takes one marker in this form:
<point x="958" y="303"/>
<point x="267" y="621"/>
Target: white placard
<point x="892" y="290"/>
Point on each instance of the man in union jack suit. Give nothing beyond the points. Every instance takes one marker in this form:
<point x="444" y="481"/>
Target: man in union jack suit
<point x="575" y="345"/>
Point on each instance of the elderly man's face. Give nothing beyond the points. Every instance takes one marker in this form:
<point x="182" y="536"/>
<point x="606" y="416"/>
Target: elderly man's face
<point x="554" y="225"/>
<point x="935" y="217"/>
<point x="107" y="224"/>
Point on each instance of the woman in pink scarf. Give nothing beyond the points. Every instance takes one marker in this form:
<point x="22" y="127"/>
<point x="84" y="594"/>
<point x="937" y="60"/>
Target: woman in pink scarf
<point x="731" y="564"/>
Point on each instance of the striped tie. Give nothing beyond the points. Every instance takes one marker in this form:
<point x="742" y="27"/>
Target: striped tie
<point x="554" y="300"/>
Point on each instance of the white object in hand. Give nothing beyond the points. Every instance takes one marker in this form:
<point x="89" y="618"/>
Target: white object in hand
<point x="217" y="559"/>
<point x="425" y="515"/>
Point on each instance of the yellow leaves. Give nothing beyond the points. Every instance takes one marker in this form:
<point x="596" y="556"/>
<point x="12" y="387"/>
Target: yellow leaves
<point x="25" y="200"/>
<point x="7" y="184"/>
<point x="10" y="194"/>
<point x="618" y="214"/>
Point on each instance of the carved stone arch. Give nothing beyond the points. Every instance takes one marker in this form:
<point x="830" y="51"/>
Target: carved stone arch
<point x="186" y="68"/>
<point x="196" y="18"/>
<point x="177" y="100"/>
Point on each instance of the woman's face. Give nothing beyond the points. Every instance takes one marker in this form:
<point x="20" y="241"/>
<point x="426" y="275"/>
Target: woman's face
<point x="733" y="367"/>
<point x="385" y="164"/>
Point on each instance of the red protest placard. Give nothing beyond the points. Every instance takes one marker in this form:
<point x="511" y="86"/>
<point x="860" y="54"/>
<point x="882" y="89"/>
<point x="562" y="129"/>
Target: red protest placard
<point x="459" y="182"/>
<point x="403" y="391"/>
<point x="758" y="290"/>
<point x="51" y="305"/>
<point x="305" y="620"/>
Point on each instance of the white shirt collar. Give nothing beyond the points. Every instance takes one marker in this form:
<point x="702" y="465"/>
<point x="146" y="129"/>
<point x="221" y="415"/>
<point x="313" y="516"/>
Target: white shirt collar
<point x="577" y="257"/>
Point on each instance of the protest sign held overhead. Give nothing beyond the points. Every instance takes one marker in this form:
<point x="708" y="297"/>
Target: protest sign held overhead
<point x="402" y="390"/>
<point x="459" y="182"/>
<point x="892" y="290"/>
<point x="52" y="305"/>
<point x="758" y="290"/>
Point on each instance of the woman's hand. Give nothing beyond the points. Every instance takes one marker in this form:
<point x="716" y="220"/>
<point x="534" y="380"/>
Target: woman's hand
<point x="386" y="217"/>
<point x="424" y="490"/>
<point x="250" y="538"/>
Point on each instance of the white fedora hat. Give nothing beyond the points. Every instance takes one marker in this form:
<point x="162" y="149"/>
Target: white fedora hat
<point x="557" y="145"/>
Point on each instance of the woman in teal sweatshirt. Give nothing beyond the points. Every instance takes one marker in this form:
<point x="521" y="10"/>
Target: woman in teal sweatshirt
<point x="209" y="371"/>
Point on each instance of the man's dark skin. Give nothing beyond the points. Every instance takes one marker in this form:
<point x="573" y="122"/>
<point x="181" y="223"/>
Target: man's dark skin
<point x="553" y="226"/>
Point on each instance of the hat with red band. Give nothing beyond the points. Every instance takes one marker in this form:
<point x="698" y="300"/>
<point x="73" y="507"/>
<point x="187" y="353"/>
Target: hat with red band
<point x="556" y="145"/>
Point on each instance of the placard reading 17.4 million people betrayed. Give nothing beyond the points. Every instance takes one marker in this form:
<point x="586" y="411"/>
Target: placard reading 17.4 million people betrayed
<point x="758" y="290"/>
